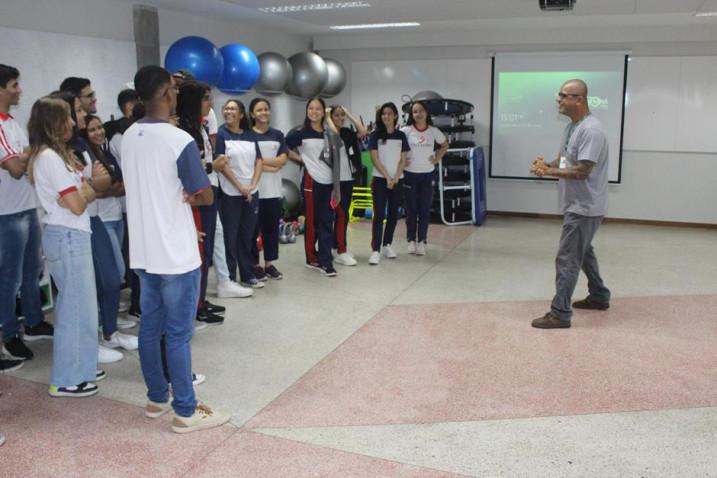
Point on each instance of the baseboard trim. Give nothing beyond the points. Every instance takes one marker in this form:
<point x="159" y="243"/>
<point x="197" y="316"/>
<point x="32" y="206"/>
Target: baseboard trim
<point x="613" y="220"/>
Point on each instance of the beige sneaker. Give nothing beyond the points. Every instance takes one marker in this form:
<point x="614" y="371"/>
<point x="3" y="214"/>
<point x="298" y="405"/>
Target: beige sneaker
<point x="203" y="418"/>
<point x="156" y="409"/>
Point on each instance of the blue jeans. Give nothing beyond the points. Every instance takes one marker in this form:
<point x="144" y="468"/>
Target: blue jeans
<point x="20" y="269"/>
<point x="219" y="258"/>
<point x="108" y="278"/>
<point x="116" y="231"/>
<point x="69" y="259"/>
<point x="418" y="191"/>
<point x="169" y="306"/>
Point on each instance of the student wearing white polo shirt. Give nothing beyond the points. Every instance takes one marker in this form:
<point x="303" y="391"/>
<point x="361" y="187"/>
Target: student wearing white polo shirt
<point x="64" y="196"/>
<point x="428" y="146"/>
<point x="239" y="183"/>
<point x="274" y="156"/>
<point x="308" y="147"/>
<point x="164" y="178"/>
<point x="20" y="234"/>
<point x="388" y="148"/>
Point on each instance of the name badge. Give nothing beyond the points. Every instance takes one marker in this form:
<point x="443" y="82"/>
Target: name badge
<point x="563" y="162"/>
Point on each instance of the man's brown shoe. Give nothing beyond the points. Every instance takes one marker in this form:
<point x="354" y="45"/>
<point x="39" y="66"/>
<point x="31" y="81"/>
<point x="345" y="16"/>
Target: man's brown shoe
<point x="587" y="303"/>
<point x="549" y="321"/>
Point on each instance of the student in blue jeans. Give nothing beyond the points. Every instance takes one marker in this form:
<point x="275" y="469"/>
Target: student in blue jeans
<point x="64" y="196"/>
<point x="164" y="178"/>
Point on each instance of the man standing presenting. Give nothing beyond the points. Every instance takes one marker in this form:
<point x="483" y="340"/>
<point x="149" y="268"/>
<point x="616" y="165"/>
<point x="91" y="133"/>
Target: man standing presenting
<point x="164" y="177"/>
<point x="20" y="236"/>
<point x="582" y="172"/>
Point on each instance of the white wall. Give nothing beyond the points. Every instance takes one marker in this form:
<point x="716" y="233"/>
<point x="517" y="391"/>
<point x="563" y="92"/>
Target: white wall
<point x="656" y="185"/>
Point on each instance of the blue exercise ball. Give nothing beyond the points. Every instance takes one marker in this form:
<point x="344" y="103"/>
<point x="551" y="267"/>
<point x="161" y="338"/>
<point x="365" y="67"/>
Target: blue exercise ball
<point x="241" y="69"/>
<point x="198" y="55"/>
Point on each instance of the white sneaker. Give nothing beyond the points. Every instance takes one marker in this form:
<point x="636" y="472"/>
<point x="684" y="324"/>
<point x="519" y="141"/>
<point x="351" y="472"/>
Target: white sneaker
<point x="411" y="247"/>
<point x="124" y="324"/>
<point x="202" y="418"/>
<point x="199" y="325"/>
<point x="108" y="355"/>
<point x="123" y="306"/>
<point x="230" y="289"/>
<point x="375" y="258"/>
<point x="388" y="252"/>
<point x="156" y="409"/>
<point x="125" y="341"/>
<point x="198" y="379"/>
<point x="345" y="259"/>
<point x="421" y="249"/>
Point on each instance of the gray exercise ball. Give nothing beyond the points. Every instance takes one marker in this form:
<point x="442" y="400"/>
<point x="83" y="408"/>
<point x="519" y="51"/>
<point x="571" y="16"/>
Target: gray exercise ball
<point x="426" y="95"/>
<point x="275" y="74"/>
<point x="309" y="75"/>
<point x="336" y="81"/>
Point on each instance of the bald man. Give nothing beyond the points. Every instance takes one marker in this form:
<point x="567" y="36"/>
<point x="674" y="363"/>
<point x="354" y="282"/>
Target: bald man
<point x="582" y="172"/>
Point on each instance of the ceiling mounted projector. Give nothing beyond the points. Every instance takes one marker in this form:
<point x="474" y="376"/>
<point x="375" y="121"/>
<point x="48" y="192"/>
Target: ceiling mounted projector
<point x="556" y="5"/>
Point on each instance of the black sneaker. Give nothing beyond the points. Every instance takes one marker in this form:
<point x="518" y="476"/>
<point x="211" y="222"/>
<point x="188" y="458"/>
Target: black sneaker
<point x="100" y="375"/>
<point x="16" y="349"/>
<point x="259" y="273"/>
<point x="273" y="272"/>
<point x="213" y="308"/>
<point x="209" y="318"/>
<point x="43" y="330"/>
<point x="85" y="389"/>
<point x="10" y="365"/>
<point x="134" y="312"/>
<point x="313" y="265"/>
<point x="329" y="270"/>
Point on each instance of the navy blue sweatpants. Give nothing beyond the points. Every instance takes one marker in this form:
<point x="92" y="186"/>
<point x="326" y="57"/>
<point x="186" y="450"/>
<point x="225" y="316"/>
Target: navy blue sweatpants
<point x="239" y="218"/>
<point x="385" y="206"/>
<point x="268" y="226"/>
<point x="418" y="190"/>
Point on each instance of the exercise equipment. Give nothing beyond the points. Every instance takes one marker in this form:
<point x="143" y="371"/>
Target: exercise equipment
<point x="309" y="75"/>
<point x="241" y="69"/>
<point x="198" y="55"/>
<point x="291" y="197"/>
<point x="336" y="80"/>
<point x="275" y="73"/>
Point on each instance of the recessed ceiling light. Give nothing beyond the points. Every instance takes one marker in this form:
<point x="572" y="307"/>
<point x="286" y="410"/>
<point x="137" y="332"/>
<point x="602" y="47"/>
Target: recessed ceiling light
<point x="375" y="25"/>
<point x="706" y="14"/>
<point x="314" y="6"/>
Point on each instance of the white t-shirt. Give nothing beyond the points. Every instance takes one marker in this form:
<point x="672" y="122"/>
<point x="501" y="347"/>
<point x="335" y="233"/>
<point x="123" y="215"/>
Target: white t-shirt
<point x="423" y="146"/>
<point x="310" y="144"/>
<point x="161" y="166"/>
<point x="54" y="180"/>
<point x="271" y="144"/>
<point x="243" y="153"/>
<point x="16" y="195"/>
<point x="389" y="152"/>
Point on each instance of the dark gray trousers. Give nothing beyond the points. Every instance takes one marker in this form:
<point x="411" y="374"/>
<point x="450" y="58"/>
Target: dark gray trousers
<point x="576" y="253"/>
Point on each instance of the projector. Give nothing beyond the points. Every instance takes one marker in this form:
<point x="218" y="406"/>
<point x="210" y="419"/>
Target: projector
<point x="556" y="5"/>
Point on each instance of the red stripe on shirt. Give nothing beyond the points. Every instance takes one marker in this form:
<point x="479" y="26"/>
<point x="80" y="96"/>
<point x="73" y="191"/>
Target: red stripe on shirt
<point x="198" y="192"/>
<point x="67" y="191"/>
<point x="6" y="145"/>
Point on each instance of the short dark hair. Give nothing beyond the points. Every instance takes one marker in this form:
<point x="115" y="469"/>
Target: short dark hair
<point x="149" y="79"/>
<point x="74" y="84"/>
<point x="126" y="96"/>
<point x="8" y="73"/>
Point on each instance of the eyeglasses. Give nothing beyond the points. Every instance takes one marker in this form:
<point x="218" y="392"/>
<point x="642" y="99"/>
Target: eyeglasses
<point x="562" y="96"/>
<point x="89" y="95"/>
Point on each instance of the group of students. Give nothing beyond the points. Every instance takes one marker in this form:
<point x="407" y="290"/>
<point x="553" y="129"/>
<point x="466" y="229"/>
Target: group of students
<point x="403" y="165"/>
<point x="70" y="170"/>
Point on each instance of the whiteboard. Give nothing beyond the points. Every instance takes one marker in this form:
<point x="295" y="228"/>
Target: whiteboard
<point x="376" y="82"/>
<point x="671" y="103"/>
